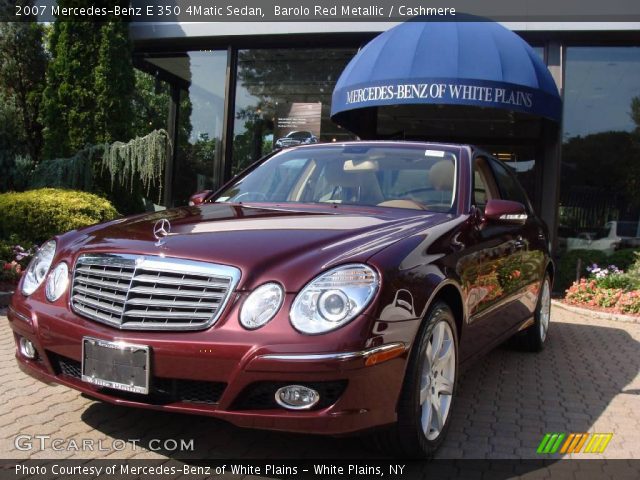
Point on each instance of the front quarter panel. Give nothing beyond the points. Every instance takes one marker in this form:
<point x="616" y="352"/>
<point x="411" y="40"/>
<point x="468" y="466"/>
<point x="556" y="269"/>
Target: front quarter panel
<point x="413" y="270"/>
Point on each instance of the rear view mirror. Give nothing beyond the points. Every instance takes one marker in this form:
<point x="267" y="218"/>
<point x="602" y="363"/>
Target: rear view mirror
<point x="199" y="197"/>
<point x="505" y="211"/>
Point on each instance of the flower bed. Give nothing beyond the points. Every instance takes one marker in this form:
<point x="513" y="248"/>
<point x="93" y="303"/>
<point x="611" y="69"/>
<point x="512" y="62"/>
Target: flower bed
<point x="608" y="289"/>
<point x="13" y="260"/>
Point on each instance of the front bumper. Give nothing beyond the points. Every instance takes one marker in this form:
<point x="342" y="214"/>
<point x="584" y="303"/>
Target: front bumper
<point x="241" y="376"/>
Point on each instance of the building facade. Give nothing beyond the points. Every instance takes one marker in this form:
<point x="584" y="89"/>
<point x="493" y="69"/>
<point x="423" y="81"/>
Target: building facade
<point x="236" y="89"/>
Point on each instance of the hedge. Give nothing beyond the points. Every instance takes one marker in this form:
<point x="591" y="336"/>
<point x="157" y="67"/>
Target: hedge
<point x="566" y="270"/>
<point x="36" y="215"/>
<point x="623" y="259"/>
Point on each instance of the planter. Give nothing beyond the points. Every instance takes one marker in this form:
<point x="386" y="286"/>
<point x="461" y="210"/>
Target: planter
<point x="599" y="314"/>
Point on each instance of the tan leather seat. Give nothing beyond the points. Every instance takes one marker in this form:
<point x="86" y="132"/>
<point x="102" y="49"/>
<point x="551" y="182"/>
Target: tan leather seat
<point x="441" y="176"/>
<point x="362" y="185"/>
<point x="441" y="179"/>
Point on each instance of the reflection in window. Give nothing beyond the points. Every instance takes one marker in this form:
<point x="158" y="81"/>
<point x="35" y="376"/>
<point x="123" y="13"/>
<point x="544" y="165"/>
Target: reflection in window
<point x="150" y="104"/>
<point x="283" y="98"/>
<point x="521" y="160"/>
<point x="601" y="147"/>
<point x="201" y="77"/>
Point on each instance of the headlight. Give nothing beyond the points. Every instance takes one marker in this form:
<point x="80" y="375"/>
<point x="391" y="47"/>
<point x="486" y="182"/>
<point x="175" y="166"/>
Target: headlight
<point x="260" y="307"/>
<point x="57" y="282"/>
<point x="38" y="268"/>
<point x="334" y="298"/>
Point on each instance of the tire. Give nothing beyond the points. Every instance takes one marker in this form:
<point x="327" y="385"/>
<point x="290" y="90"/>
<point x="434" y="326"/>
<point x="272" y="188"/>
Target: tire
<point x="533" y="338"/>
<point x="408" y="438"/>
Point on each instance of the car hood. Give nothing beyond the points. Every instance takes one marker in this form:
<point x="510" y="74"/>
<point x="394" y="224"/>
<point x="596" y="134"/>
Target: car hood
<point x="288" y="244"/>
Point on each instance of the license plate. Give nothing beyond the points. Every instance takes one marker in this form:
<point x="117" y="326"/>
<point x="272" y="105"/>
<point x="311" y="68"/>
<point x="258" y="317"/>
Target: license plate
<point x="118" y="365"/>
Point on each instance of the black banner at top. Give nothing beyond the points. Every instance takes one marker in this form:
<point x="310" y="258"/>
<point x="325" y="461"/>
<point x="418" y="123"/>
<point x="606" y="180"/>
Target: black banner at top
<point x="328" y="10"/>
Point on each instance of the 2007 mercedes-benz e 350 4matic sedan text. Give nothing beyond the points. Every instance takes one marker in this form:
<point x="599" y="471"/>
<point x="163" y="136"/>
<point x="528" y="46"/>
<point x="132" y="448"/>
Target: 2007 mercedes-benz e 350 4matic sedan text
<point x="329" y="288"/>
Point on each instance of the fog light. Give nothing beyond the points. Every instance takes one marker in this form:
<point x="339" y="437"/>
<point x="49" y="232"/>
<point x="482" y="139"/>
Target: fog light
<point x="27" y="348"/>
<point x="297" y="397"/>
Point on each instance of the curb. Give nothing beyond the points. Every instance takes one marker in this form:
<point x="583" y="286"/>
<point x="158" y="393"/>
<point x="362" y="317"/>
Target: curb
<point x="617" y="317"/>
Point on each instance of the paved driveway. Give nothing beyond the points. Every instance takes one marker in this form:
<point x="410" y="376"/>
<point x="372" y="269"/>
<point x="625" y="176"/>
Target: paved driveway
<point x="586" y="380"/>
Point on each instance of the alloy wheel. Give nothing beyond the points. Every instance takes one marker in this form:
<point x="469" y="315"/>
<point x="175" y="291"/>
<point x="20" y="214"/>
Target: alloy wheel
<point x="545" y="309"/>
<point x="437" y="379"/>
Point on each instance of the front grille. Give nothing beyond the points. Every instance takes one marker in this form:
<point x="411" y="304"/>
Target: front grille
<point x="151" y="293"/>
<point x="262" y="395"/>
<point x="162" y="390"/>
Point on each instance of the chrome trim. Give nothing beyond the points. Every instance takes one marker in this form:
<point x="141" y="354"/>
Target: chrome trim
<point x="292" y="407"/>
<point x="139" y="266"/>
<point x="514" y="216"/>
<point x="118" y="345"/>
<point x="18" y="315"/>
<point x="304" y="357"/>
<point x="24" y="343"/>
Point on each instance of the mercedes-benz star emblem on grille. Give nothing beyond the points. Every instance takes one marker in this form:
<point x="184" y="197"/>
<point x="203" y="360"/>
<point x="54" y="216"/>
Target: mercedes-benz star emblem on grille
<point x="161" y="230"/>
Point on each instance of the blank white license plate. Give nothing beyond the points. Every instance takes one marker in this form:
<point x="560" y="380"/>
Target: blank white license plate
<point x="118" y="365"/>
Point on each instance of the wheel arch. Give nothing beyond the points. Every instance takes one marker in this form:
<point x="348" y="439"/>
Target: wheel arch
<point x="449" y="292"/>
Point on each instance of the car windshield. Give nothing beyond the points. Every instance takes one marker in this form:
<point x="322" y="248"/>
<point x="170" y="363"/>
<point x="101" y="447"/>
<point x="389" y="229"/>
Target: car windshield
<point x="387" y="176"/>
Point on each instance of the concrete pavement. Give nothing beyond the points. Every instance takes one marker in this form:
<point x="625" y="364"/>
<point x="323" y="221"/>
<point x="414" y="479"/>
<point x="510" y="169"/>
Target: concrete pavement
<point x="586" y="380"/>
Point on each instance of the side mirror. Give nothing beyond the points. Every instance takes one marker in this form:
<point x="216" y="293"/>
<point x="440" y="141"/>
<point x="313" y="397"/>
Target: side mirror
<point x="199" y="197"/>
<point x="506" y="212"/>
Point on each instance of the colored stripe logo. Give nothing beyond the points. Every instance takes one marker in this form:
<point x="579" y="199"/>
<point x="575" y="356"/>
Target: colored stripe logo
<point x="574" y="443"/>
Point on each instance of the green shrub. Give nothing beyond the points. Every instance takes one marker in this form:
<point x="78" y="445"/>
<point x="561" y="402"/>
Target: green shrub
<point x="633" y="272"/>
<point x="36" y="215"/>
<point x="566" y="271"/>
<point x="623" y="259"/>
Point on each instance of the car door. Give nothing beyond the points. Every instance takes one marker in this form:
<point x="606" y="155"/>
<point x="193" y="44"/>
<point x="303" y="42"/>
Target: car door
<point x="491" y="267"/>
<point x="532" y="238"/>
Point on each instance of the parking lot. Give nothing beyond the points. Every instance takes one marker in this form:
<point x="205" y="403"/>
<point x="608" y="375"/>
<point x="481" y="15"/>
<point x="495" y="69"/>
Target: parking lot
<point x="586" y="380"/>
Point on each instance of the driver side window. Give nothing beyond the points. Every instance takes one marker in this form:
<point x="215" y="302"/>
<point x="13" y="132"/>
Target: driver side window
<point x="484" y="186"/>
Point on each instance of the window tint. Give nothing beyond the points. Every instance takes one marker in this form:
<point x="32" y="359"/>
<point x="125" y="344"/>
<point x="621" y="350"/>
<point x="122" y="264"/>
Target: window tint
<point x="507" y="184"/>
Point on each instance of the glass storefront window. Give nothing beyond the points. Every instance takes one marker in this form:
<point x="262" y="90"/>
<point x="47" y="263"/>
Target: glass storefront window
<point x="600" y="185"/>
<point x="283" y="98"/>
<point x="201" y="77"/>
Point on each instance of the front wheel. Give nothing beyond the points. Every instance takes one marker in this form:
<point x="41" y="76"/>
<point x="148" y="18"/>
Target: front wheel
<point x="426" y="400"/>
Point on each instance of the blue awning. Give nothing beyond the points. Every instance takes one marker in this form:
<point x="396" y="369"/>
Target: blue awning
<point x="478" y="64"/>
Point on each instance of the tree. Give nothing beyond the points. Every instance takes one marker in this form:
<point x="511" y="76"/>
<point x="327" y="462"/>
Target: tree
<point x="635" y="112"/>
<point x="114" y="84"/>
<point x="90" y="81"/>
<point x="23" y="63"/>
<point x="150" y="104"/>
<point x="8" y="147"/>
<point x="605" y="167"/>
<point x="68" y="103"/>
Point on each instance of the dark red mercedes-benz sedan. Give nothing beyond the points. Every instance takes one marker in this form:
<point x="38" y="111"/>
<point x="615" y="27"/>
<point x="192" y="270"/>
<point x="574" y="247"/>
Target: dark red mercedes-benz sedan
<point x="330" y="288"/>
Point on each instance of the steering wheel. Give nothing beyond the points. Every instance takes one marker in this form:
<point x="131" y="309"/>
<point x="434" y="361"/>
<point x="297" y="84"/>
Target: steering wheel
<point x="258" y="194"/>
